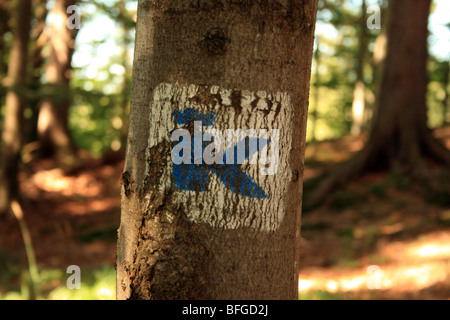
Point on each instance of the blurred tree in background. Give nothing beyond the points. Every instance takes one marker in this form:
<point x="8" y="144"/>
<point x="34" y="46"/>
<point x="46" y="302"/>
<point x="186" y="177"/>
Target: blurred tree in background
<point x="52" y="125"/>
<point x="38" y="39"/>
<point x="102" y="78"/>
<point x="359" y="92"/>
<point x="399" y="135"/>
<point x="72" y="105"/>
<point x="4" y="28"/>
<point x="101" y="74"/>
<point x="12" y="133"/>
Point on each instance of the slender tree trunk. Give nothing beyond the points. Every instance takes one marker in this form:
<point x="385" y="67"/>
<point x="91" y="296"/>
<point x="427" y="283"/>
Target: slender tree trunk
<point x="359" y="97"/>
<point x="446" y="100"/>
<point x="12" y="134"/>
<point x="314" y="114"/>
<point x="399" y="134"/>
<point x="220" y="231"/>
<point x="378" y="58"/>
<point x="4" y="27"/>
<point x="402" y="118"/>
<point x="53" y="128"/>
<point x="38" y="41"/>
<point x="124" y="16"/>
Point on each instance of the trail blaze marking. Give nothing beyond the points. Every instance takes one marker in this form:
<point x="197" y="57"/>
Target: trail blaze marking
<point x="196" y="177"/>
<point x="244" y="183"/>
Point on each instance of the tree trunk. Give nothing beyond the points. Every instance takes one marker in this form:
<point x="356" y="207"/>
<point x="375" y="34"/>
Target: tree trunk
<point x="225" y="230"/>
<point x="378" y="58"/>
<point x="4" y="27"/>
<point x="316" y="98"/>
<point x="4" y="19"/>
<point x="38" y="41"/>
<point x="399" y="134"/>
<point x="124" y="18"/>
<point x="359" y="97"/>
<point x="53" y="128"/>
<point x="446" y="100"/>
<point x="12" y="134"/>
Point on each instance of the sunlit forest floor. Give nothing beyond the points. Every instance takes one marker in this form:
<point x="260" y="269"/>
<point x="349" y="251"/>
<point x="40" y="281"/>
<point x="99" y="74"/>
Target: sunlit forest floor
<point x="380" y="220"/>
<point x="379" y="237"/>
<point x="73" y="218"/>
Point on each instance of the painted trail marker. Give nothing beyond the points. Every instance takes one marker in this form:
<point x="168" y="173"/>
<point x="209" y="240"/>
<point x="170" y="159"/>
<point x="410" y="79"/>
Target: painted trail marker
<point x="229" y="160"/>
<point x="194" y="175"/>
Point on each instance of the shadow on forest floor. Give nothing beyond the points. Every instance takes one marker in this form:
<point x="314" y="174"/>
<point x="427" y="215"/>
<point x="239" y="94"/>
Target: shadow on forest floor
<point x="73" y="220"/>
<point x="378" y="220"/>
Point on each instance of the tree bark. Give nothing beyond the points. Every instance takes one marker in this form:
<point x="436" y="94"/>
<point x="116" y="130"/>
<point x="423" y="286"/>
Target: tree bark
<point x="53" y="130"/>
<point x="399" y="135"/>
<point x="191" y="231"/>
<point x="12" y="134"/>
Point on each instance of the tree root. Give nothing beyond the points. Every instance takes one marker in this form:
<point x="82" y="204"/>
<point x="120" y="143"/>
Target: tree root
<point x="415" y="166"/>
<point x="340" y="175"/>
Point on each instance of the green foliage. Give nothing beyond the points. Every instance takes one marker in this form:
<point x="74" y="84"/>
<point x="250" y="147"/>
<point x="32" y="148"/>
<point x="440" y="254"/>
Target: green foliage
<point x="338" y="30"/>
<point x="319" y="295"/>
<point x="93" y="119"/>
<point x="101" y="92"/>
<point x="436" y="92"/>
<point x="101" y="84"/>
<point x="96" y="284"/>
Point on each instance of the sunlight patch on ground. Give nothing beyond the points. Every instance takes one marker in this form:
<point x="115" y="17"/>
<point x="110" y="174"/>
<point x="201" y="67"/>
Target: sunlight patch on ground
<point x="105" y="293"/>
<point x="404" y="278"/>
<point x="432" y="246"/>
<point x="432" y="250"/>
<point x="91" y="206"/>
<point x="55" y="181"/>
<point x="419" y="264"/>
